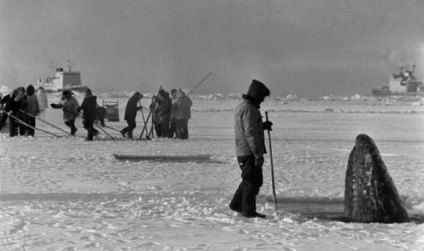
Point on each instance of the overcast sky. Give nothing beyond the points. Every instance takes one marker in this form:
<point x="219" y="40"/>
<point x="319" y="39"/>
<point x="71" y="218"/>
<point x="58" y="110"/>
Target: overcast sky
<point x="310" y="47"/>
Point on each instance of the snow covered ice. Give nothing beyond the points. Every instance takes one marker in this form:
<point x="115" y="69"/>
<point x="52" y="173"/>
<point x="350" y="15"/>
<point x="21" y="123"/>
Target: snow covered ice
<point x="69" y="194"/>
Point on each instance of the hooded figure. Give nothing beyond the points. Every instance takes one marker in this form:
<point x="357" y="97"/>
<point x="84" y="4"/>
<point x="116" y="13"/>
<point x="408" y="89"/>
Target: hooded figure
<point x="43" y="102"/>
<point x="250" y="148"/>
<point x="69" y="104"/>
<point x="181" y="106"/>
<point x="172" y="124"/>
<point x="32" y="109"/>
<point x="89" y="108"/>
<point x="15" y="104"/>
<point x="164" y="104"/>
<point x="131" y="113"/>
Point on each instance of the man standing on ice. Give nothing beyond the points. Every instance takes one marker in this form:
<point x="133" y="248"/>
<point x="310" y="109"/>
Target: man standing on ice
<point x="250" y="148"/>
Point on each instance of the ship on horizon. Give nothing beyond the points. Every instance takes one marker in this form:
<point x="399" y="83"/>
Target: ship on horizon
<point x="403" y="83"/>
<point x="62" y="80"/>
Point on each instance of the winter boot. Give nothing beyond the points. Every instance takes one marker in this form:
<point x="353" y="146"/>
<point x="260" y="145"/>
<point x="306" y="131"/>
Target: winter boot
<point x="250" y="212"/>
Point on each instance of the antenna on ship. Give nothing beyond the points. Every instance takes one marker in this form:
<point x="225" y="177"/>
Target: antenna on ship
<point x="51" y="69"/>
<point x="69" y="65"/>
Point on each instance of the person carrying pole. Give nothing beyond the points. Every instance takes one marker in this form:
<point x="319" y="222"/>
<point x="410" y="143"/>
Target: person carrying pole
<point x="69" y="105"/>
<point x="145" y="128"/>
<point x="182" y="108"/>
<point x="36" y="117"/>
<point x="29" y="126"/>
<point x="130" y="114"/>
<point x="13" y="108"/>
<point x="89" y="106"/>
<point x="250" y="148"/>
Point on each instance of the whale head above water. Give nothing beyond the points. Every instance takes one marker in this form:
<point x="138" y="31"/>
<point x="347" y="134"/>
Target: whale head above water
<point x="370" y="193"/>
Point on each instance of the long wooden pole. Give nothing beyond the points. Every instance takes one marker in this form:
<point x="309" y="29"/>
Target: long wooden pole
<point x="272" y="168"/>
<point x="95" y="123"/>
<point x="47" y="123"/>
<point x="203" y="80"/>
<point x="147" y="120"/>
<point x="103" y="130"/>
<point x="34" y="128"/>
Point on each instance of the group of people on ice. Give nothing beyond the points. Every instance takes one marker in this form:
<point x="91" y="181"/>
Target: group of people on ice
<point x="22" y="106"/>
<point x="170" y="112"/>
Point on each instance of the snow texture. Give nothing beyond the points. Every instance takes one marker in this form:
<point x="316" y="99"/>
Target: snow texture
<point x="68" y="194"/>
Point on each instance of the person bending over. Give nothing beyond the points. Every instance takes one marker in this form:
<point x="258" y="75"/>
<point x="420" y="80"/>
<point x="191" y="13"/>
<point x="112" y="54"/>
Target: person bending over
<point x="89" y="107"/>
<point x="131" y="113"/>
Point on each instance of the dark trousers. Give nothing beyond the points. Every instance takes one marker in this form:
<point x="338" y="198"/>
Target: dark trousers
<point x="31" y="122"/>
<point x="71" y="124"/>
<point x="171" y="132"/>
<point x="158" y="130"/>
<point x="101" y="113"/>
<point x="3" y="118"/>
<point x="165" y="128"/>
<point x="244" y="199"/>
<point x="181" y="128"/>
<point x="89" y="126"/>
<point x="129" y="129"/>
<point x="16" y="126"/>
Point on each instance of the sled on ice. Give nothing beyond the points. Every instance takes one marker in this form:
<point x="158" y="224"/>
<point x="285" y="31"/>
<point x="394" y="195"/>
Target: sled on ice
<point x="205" y="157"/>
<point x="112" y="111"/>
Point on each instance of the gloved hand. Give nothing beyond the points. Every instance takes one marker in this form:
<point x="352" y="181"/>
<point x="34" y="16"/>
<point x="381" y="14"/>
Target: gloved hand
<point x="139" y="108"/>
<point x="259" y="161"/>
<point x="53" y="105"/>
<point x="267" y="125"/>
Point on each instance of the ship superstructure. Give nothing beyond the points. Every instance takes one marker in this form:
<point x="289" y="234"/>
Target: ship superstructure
<point x="62" y="79"/>
<point x="402" y="83"/>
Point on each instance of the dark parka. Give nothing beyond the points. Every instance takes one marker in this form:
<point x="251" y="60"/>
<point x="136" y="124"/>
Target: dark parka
<point x="132" y="106"/>
<point x="89" y="108"/>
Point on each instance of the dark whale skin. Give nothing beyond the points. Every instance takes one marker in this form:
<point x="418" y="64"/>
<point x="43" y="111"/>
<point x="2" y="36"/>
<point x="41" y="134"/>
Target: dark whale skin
<point x="370" y="193"/>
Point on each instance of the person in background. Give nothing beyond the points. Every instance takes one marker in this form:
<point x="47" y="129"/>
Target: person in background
<point x="32" y="109"/>
<point x="100" y="115"/>
<point x="172" y="123"/>
<point x="43" y="102"/>
<point x="3" y="115"/>
<point x="69" y="104"/>
<point x="164" y="105"/>
<point x="182" y="106"/>
<point x="250" y="148"/>
<point x="131" y="113"/>
<point x="154" y="108"/>
<point x="88" y="107"/>
<point x="14" y="107"/>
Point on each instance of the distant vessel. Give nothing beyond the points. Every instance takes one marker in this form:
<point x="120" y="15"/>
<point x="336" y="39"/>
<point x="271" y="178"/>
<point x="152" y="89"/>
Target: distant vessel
<point x="62" y="80"/>
<point x="403" y="83"/>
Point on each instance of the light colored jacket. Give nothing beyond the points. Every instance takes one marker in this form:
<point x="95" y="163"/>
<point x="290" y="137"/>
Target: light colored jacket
<point x="42" y="101"/>
<point x="181" y="106"/>
<point x="69" y="108"/>
<point x="249" y="132"/>
<point x="173" y="108"/>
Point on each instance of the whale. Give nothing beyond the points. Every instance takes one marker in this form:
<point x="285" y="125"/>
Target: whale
<point x="370" y="193"/>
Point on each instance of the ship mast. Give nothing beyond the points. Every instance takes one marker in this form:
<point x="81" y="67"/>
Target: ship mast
<point x="69" y="65"/>
<point x="51" y="69"/>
